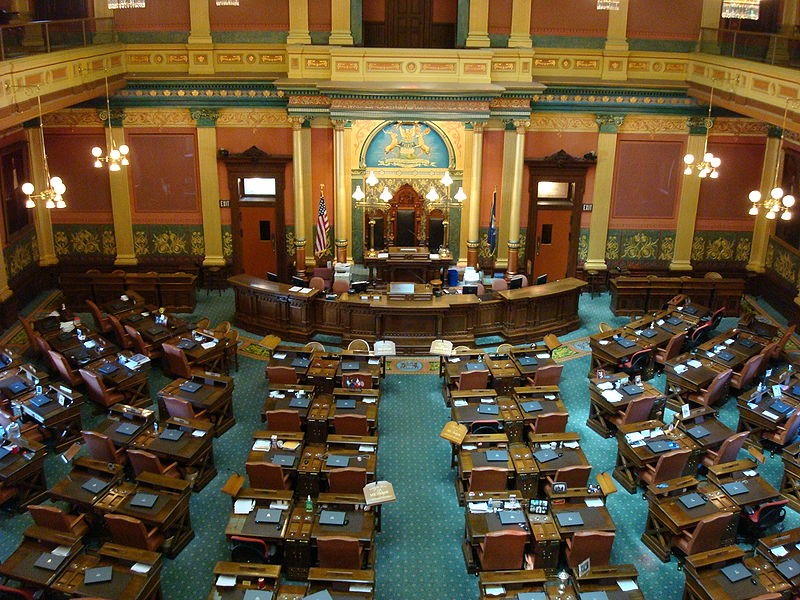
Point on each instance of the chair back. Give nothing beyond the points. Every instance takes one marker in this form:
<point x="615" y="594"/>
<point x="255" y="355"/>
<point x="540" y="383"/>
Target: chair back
<point x="499" y="284"/>
<point x="504" y="349"/>
<point x="548" y="375"/>
<point x="603" y="327"/>
<point x="639" y="410"/>
<point x="463" y="350"/>
<point x="102" y="323"/>
<point x="100" y="447"/>
<point x="551" y="341"/>
<point x="699" y="335"/>
<point x="488" y="479"/>
<point x="51" y="517"/>
<point x="314" y="347"/>
<point x="717" y="388"/>
<point x="789" y="430"/>
<point x="347" y="480"/>
<point x="357" y="380"/>
<point x="28" y="327"/>
<point x="265" y="476"/>
<point x="503" y="550"/>
<point x="283" y="420"/>
<point x="176" y="362"/>
<point x="384" y="348"/>
<point x="717" y="317"/>
<point x="481" y="427"/>
<point x="350" y="425"/>
<point x="178" y="407"/>
<point x="551" y="423"/>
<point x="316" y="283"/>
<point x="41" y="346"/>
<point x="673" y="347"/>
<point x="575" y="476"/>
<point x="729" y="449"/>
<point x="335" y="552"/>
<point x="594" y="545"/>
<point x="358" y="345"/>
<point x="782" y="342"/>
<point x="340" y="286"/>
<point x="708" y="533"/>
<point x="10" y="593"/>
<point x="144" y="462"/>
<point x="123" y="339"/>
<point x="282" y="374"/>
<point x="60" y="364"/>
<point x="138" y="341"/>
<point x="128" y="531"/>
<point x="750" y="370"/>
<point x="441" y="347"/>
<point x="473" y="380"/>
<point x="766" y="516"/>
<point x="98" y="393"/>
<point x="637" y="362"/>
<point x="671" y="465"/>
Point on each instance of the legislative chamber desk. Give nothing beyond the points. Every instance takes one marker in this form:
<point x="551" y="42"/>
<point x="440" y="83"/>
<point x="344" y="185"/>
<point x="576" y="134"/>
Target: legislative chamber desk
<point x="517" y="315"/>
<point x="407" y="264"/>
<point x="637" y="295"/>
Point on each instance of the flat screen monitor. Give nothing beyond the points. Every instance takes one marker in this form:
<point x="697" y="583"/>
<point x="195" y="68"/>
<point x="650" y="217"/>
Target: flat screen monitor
<point x="359" y="287"/>
<point x="298" y="281"/>
<point x="272" y="276"/>
<point x="515" y="283"/>
<point x="469" y="289"/>
<point x="541" y="279"/>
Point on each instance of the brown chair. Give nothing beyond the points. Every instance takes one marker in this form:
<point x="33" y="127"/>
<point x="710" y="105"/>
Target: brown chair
<point x="67" y="373"/>
<point x="706" y="535"/>
<point x="334" y="552"/>
<point x="502" y="550"/>
<point x="146" y="462"/>
<point x="473" y="380"/>
<point x="549" y="423"/>
<point x="28" y="327"/>
<point x="499" y="284"/>
<point x="324" y="273"/>
<point x="668" y="466"/>
<point x="231" y="349"/>
<point x="283" y="375"/>
<point x="54" y="518"/>
<point x="40" y="346"/>
<point x="221" y="329"/>
<point x="594" y="545"/>
<point x="317" y="283"/>
<point x="181" y="408"/>
<point x="283" y="420"/>
<point x="488" y="479"/>
<point x="102" y="448"/>
<point x="350" y="425"/>
<point x="727" y="451"/>
<point x="547" y="375"/>
<point x="357" y="380"/>
<point x="202" y="323"/>
<point x="637" y="410"/>
<point x="101" y="322"/>
<point x="670" y="351"/>
<point x="314" y="347"/>
<point x="97" y="390"/>
<point x="750" y="369"/>
<point x="340" y="286"/>
<point x="715" y="392"/>
<point x="175" y="362"/>
<point x="151" y="351"/>
<point x="358" y="345"/>
<point x="129" y="531"/>
<point x="123" y="339"/>
<point x="785" y="433"/>
<point x="347" y="480"/>
<point x="576" y="476"/>
<point x="780" y="349"/>
<point x="267" y="476"/>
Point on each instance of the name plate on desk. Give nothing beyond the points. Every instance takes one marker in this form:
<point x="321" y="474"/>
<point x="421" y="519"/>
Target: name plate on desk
<point x="379" y="492"/>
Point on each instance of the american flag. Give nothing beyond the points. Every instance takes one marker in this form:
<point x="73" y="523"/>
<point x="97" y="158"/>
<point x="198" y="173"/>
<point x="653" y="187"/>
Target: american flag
<point x="492" y="236"/>
<point x="321" y="240"/>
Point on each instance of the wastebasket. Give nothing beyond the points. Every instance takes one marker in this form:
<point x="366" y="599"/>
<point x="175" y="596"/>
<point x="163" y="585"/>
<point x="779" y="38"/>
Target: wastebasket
<point x="452" y="277"/>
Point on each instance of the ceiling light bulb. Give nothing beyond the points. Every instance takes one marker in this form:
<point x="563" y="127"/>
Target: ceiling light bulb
<point x="113" y="166"/>
<point x="754" y="196"/>
<point x="776" y="193"/>
<point x="446" y="179"/>
<point x="49" y="203"/>
<point x="60" y="203"/>
<point x="708" y="157"/>
<point x="124" y="162"/>
<point x="786" y="216"/>
<point x="788" y="201"/>
<point x="716" y="161"/>
<point x="114" y="154"/>
<point x="97" y="152"/>
<point x="386" y="195"/>
<point x="98" y="164"/>
<point x="123" y="149"/>
<point x="432" y="195"/>
<point x="688" y="159"/>
<point x="27" y="188"/>
<point x="29" y="203"/>
<point x="371" y="180"/>
<point x="770" y="215"/>
<point x="753" y="211"/>
<point x="358" y="195"/>
<point x="59" y="188"/>
<point x="714" y="174"/>
<point x="687" y="170"/>
<point x="460" y="195"/>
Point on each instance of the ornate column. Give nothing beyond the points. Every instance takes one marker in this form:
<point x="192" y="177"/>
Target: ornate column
<point x="120" y="196"/>
<point x="521" y="127"/>
<point x="200" y="42"/>
<point x="520" y="25"/>
<point x="104" y="34"/>
<point x="478" y="34"/>
<point x="206" y="123"/>
<point x="615" y="52"/>
<point x="474" y="198"/>
<point x="41" y="215"/>
<point x="342" y="197"/>
<point x="601" y="196"/>
<point x="298" y="23"/>
<point x="763" y="227"/>
<point x="341" y="33"/>
<point x="690" y="195"/>
<point x="299" y="188"/>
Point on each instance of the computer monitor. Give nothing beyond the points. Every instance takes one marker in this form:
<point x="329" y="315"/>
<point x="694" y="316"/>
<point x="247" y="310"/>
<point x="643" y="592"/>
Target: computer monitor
<point x="359" y="287"/>
<point x="515" y="283"/>
<point x="298" y="281"/>
<point x="541" y="279"/>
<point x="469" y="289"/>
<point x="272" y="276"/>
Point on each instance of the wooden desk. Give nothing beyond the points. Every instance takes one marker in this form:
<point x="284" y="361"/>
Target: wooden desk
<point x="134" y="383"/>
<point x="322" y="371"/>
<point x="706" y="416"/>
<point x="790" y="482"/>
<point x="313" y="468"/>
<point x="339" y="582"/>
<point x="285" y="444"/>
<point x="23" y="470"/>
<point x="595" y="518"/>
<point x="520" y="582"/>
<point x="193" y="453"/>
<point x="548" y="397"/>
<point x="70" y="488"/>
<point x="246" y="525"/>
<point x="247" y="577"/>
<point x="508" y="416"/>
<point x="779" y="547"/>
<point x="295" y="397"/>
<point x="407" y="264"/>
<point x="607" y="578"/>
<point x="607" y="353"/>
<point x="366" y="403"/>
<point x="530" y="360"/>
<point x="680" y="382"/>
<point x="20" y="565"/>
<point x="374" y="365"/>
<point x="82" y="354"/>
<point x="755" y="415"/>
<point x="636" y="295"/>
<point x="570" y="454"/>
<point x="758" y="491"/>
<point x="61" y="422"/>
<point x="602" y="409"/>
<point x="215" y="396"/>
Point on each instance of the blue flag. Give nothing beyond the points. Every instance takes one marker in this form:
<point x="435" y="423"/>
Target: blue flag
<point x="492" y="236"/>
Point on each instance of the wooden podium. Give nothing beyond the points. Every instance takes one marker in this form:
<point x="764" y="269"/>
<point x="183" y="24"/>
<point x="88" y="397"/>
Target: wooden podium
<point x="407" y="263"/>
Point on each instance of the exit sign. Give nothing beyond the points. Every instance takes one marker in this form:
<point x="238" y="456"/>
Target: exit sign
<point x="588" y="207"/>
<point x="227" y="203"/>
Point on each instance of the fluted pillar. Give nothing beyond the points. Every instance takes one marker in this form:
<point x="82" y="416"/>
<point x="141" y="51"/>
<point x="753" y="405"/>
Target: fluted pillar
<point x="298" y="23"/>
<point x="763" y="227"/>
<point x="299" y="195"/>
<point x="342" y="197"/>
<point x="520" y="127"/>
<point x="474" y="198"/>
<point x="520" y="25"/>
<point x="206" y="121"/>
<point x="41" y="214"/>
<point x="690" y="196"/>
<point x="478" y="34"/>
<point x="341" y="31"/>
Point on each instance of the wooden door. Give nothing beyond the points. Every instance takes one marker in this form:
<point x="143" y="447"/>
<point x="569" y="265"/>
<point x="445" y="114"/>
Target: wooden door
<point x="552" y="243"/>
<point x="258" y="232"/>
<point x="408" y="23"/>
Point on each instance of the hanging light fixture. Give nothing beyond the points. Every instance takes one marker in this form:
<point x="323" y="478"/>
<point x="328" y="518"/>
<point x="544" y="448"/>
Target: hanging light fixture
<point x="116" y="157"/>
<point x="445" y="203"/>
<point x="51" y="195"/>
<point x="607" y="4"/>
<point x="115" y="4"/>
<point x="778" y="202"/>
<point x="707" y="165"/>
<point x="740" y="9"/>
<point x="370" y="201"/>
<point x="227" y="2"/>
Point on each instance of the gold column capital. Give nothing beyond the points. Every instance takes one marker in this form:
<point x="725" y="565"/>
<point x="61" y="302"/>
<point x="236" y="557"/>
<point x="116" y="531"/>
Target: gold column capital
<point x="609" y="123"/>
<point x="476" y="126"/>
<point x="297" y="122"/>
<point x="521" y="126"/>
<point x="339" y="124"/>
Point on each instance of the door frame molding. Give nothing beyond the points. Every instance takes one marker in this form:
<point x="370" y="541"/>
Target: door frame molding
<point x="559" y="167"/>
<point x="254" y="162"/>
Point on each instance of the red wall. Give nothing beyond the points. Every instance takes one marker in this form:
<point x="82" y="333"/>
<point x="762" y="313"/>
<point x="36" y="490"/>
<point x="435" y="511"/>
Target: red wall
<point x="322" y="170"/>
<point x="445" y="11"/>
<point x="251" y="15"/>
<point x="664" y="19"/>
<point x="319" y="15"/>
<point x="500" y="16"/>
<point x="160" y="15"/>
<point x="374" y="10"/>
<point x="492" y="176"/>
<point x="573" y="18"/>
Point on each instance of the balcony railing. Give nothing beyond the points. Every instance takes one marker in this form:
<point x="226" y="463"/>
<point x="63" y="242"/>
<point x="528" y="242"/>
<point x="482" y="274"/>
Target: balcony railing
<point x="37" y="37"/>
<point x="770" y="48"/>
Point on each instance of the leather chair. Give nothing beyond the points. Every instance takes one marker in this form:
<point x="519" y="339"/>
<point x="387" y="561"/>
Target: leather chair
<point x="339" y="552"/>
<point x="576" y="476"/>
<point x="699" y="335"/>
<point x="101" y="447"/>
<point x="221" y="329"/>
<point x="324" y="273"/>
<point x="129" y="531"/>
<point x="637" y="410"/>
<point x="705" y="536"/>
<point x="768" y="515"/>
<point x="485" y="426"/>
<point x="358" y="345"/>
<point x="151" y="351"/>
<point x="202" y="323"/>
<point x="715" y="392"/>
<point x="40" y="346"/>
<point x="783" y="434"/>
<point x="123" y="339"/>
<point x="552" y="342"/>
<point x="175" y="362"/>
<point x="27" y="326"/>
<point x="267" y="476"/>
<point x="499" y="284"/>
<point x="547" y="375"/>
<point x="594" y="545"/>
<point x="62" y="366"/>
<point x="549" y="423"/>
<point x="727" y="451"/>
<point x="668" y="466"/>
<point x="357" y="380"/>
<point x="637" y="363"/>
<point x="54" y="518"/>
<point x="317" y="283"/>
<point x="283" y="420"/>
<point x="473" y="380"/>
<point x="716" y="318"/>
<point x="282" y="375"/>
<point x="384" y="348"/>
<point x="314" y="347"/>
<point x="780" y="349"/>
<point x="181" y="409"/>
<point x="340" y="286"/>
<point x="347" y="480"/>
<point x="97" y="390"/>
<point x="10" y="593"/>
<point x="502" y="550"/>
<point x="350" y="425"/>
<point x="101" y="322"/>
<point x="488" y="479"/>
<point x="146" y="462"/>
<point x="231" y="349"/>
<point x="246" y="549"/>
<point x="674" y="346"/>
<point x="741" y="380"/>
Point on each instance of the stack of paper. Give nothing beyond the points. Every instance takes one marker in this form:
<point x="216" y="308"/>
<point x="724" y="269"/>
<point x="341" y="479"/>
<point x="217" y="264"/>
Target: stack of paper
<point x="140" y="567"/>
<point x="612" y="395"/>
<point x="243" y="506"/>
<point x="606" y="385"/>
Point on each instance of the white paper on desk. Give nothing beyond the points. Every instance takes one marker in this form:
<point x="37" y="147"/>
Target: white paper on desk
<point x="226" y="581"/>
<point x="638" y="332"/>
<point x="279" y="355"/>
<point x="383" y="255"/>
<point x="656" y="432"/>
<point x="543" y="355"/>
<point x="612" y="395"/>
<point x="487" y="400"/>
<point x="434" y="257"/>
<point x="61" y="551"/>
<point x="770" y="415"/>
<point x="53" y="314"/>
<point x="679" y="369"/>
<point x="469" y="447"/>
<point x="369" y="400"/>
<point x="243" y="506"/>
<point x="295" y="288"/>
<point x="593" y="501"/>
<point x="455" y="359"/>
<point x="494" y="590"/>
<point x="279" y="505"/>
<point x="779" y="551"/>
<point x="660" y="322"/>
<point x="750" y="473"/>
<point x="305" y="290"/>
<point x="606" y="385"/>
<point x="374" y="361"/>
<point x="730" y="341"/>
<point x="366" y="448"/>
<point x="479" y="507"/>
<point x="571" y="444"/>
<point x="90" y="344"/>
<point x="199" y="433"/>
<point x="694" y="363"/>
<point x="549" y="396"/>
<point x="291" y="445"/>
<point x="140" y="567"/>
<point x="627" y="585"/>
<point x="262" y="445"/>
<point x="460" y="402"/>
<point x="208" y="345"/>
<point x="634" y="436"/>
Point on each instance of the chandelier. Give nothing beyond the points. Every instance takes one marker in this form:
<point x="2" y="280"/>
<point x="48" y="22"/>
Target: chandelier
<point x="51" y="195"/>
<point x="607" y="4"/>
<point x="436" y="201"/>
<point x="115" y="4"/>
<point x="740" y="9"/>
<point x="778" y="202"/>
<point x="706" y="166"/>
<point x="116" y="157"/>
<point x="369" y="201"/>
<point x="227" y="2"/>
